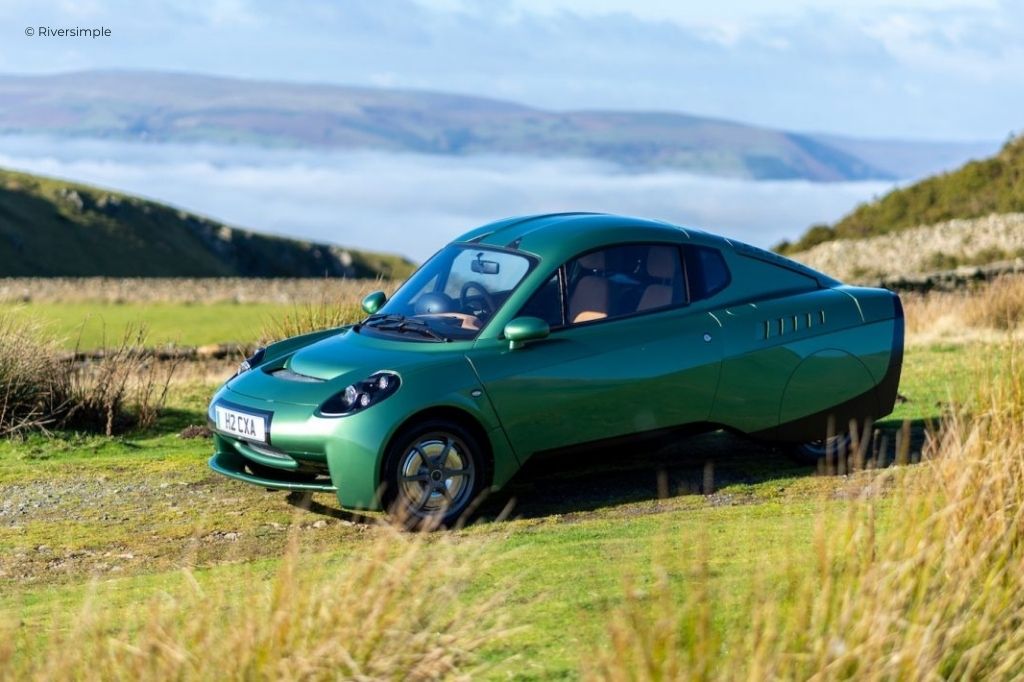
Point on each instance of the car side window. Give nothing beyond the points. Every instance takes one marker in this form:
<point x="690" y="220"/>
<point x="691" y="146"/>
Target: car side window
<point x="546" y="303"/>
<point x="706" y="271"/>
<point x="624" y="280"/>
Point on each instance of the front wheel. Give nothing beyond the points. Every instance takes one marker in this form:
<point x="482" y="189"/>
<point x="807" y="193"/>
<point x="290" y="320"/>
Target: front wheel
<point x="433" y="472"/>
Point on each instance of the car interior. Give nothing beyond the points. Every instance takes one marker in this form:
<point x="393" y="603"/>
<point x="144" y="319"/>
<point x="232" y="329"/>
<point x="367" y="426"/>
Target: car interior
<point x="613" y="282"/>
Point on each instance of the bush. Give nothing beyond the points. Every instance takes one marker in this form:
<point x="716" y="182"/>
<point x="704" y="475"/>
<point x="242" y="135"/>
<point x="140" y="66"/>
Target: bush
<point x="42" y="388"/>
<point x="35" y="379"/>
<point x="125" y="388"/>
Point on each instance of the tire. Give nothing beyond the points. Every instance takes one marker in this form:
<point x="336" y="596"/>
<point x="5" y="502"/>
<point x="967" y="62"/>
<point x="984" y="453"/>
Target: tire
<point x="422" y="490"/>
<point x="818" y="450"/>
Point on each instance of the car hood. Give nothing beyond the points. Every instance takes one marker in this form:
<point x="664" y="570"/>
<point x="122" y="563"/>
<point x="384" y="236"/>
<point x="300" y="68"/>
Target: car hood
<point x="321" y="369"/>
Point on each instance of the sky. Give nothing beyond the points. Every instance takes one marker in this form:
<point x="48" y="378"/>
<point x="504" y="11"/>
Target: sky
<point x="941" y="69"/>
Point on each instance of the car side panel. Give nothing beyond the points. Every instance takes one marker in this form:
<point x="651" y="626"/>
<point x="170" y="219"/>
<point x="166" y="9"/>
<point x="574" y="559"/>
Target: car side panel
<point x="603" y="380"/>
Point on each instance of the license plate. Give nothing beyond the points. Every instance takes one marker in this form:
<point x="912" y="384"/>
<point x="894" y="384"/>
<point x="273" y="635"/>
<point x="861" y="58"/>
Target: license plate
<point x="241" y="424"/>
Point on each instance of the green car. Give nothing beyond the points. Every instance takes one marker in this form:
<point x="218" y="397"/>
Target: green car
<point x="547" y="333"/>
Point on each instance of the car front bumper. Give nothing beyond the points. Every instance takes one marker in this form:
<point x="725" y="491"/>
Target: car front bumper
<point x="232" y="465"/>
<point x="349" y="451"/>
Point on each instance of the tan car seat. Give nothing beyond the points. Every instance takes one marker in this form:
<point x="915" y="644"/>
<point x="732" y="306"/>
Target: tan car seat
<point x="662" y="265"/>
<point x="589" y="300"/>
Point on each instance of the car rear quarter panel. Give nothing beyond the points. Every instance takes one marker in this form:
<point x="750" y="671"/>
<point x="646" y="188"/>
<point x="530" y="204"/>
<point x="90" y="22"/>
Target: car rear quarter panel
<point x="818" y="338"/>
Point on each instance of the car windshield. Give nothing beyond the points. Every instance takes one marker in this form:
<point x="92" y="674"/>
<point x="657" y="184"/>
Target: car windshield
<point x="452" y="296"/>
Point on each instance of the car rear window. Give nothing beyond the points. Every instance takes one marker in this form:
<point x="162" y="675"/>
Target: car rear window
<point x="706" y="271"/>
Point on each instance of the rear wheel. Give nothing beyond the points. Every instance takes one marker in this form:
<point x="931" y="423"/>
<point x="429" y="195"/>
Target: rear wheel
<point x="815" y="451"/>
<point x="433" y="472"/>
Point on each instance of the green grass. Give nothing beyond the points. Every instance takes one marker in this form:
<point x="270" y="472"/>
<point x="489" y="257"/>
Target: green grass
<point x="119" y="517"/>
<point x="190" y="325"/>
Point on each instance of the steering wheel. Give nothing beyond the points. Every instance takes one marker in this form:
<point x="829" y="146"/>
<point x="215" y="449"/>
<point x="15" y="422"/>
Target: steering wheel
<point x="464" y="296"/>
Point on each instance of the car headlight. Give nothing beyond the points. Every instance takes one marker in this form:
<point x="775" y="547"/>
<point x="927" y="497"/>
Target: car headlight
<point x="251" y="361"/>
<point x="361" y="395"/>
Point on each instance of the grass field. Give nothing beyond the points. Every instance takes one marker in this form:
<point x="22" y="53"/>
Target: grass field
<point x="91" y="325"/>
<point x="128" y="551"/>
<point x="91" y="523"/>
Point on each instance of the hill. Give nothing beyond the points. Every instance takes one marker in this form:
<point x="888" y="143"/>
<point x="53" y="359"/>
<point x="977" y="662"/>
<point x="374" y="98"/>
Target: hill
<point x="54" y="228"/>
<point x="977" y="189"/>
<point x="169" y="107"/>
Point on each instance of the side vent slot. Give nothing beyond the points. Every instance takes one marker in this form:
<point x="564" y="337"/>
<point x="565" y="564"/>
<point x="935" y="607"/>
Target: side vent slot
<point x="821" y="317"/>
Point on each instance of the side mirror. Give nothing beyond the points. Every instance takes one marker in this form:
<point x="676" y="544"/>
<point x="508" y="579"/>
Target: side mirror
<point x="374" y="302"/>
<point x="523" y="329"/>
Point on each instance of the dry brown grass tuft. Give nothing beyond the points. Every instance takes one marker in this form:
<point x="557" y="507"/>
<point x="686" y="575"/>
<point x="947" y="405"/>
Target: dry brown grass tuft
<point x="986" y="313"/>
<point x="125" y="388"/>
<point x="398" y="611"/>
<point x="42" y="388"/>
<point x="327" y="312"/>
<point x="1000" y="305"/>
<point x="34" y="378"/>
<point x="935" y="592"/>
<point x="119" y="290"/>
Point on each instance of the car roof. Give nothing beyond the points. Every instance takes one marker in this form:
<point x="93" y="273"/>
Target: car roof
<point x="562" y="235"/>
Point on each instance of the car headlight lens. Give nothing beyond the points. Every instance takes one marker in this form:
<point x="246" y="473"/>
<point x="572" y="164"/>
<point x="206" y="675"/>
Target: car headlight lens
<point x="251" y="361"/>
<point x="361" y="395"/>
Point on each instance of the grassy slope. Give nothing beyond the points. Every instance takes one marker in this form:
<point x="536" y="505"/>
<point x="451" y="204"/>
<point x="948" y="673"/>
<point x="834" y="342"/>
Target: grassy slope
<point x="993" y="185"/>
<point x="51" y="227"/>
<point x="145" y="505"/>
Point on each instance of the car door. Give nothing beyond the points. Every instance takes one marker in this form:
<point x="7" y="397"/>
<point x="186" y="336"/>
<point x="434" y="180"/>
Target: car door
<point x="625" y="355"/>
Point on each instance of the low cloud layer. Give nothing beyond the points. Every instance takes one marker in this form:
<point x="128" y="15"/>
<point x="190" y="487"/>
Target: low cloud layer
<point x="411" y="204"/>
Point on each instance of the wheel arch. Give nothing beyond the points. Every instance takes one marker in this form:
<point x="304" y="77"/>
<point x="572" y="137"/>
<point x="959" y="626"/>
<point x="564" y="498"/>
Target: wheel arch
<point x="447" y="413"/>
<point x="800" y="418"/>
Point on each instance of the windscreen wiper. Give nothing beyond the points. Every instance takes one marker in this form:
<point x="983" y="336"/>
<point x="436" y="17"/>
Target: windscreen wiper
<point x="379" y="317"/>
<point x="407" y="325"/>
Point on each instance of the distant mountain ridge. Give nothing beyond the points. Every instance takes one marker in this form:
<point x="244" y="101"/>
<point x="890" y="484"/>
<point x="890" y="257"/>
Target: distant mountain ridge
<point x="979" y="188"/>
<point x="174" y="107"/>
<point x="52" y="228"/>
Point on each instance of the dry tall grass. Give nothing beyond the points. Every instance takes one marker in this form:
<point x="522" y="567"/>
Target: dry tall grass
<point x="935" y="592"/>
<point x="982" y="314"/>
<point x="398" y="611"/>
<point x="118" y="290"/>
<point x="125" y="388"/>
<point x="325" y="312"/>
<point x="42" y="388"/>
<point x="34" y="381"/>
